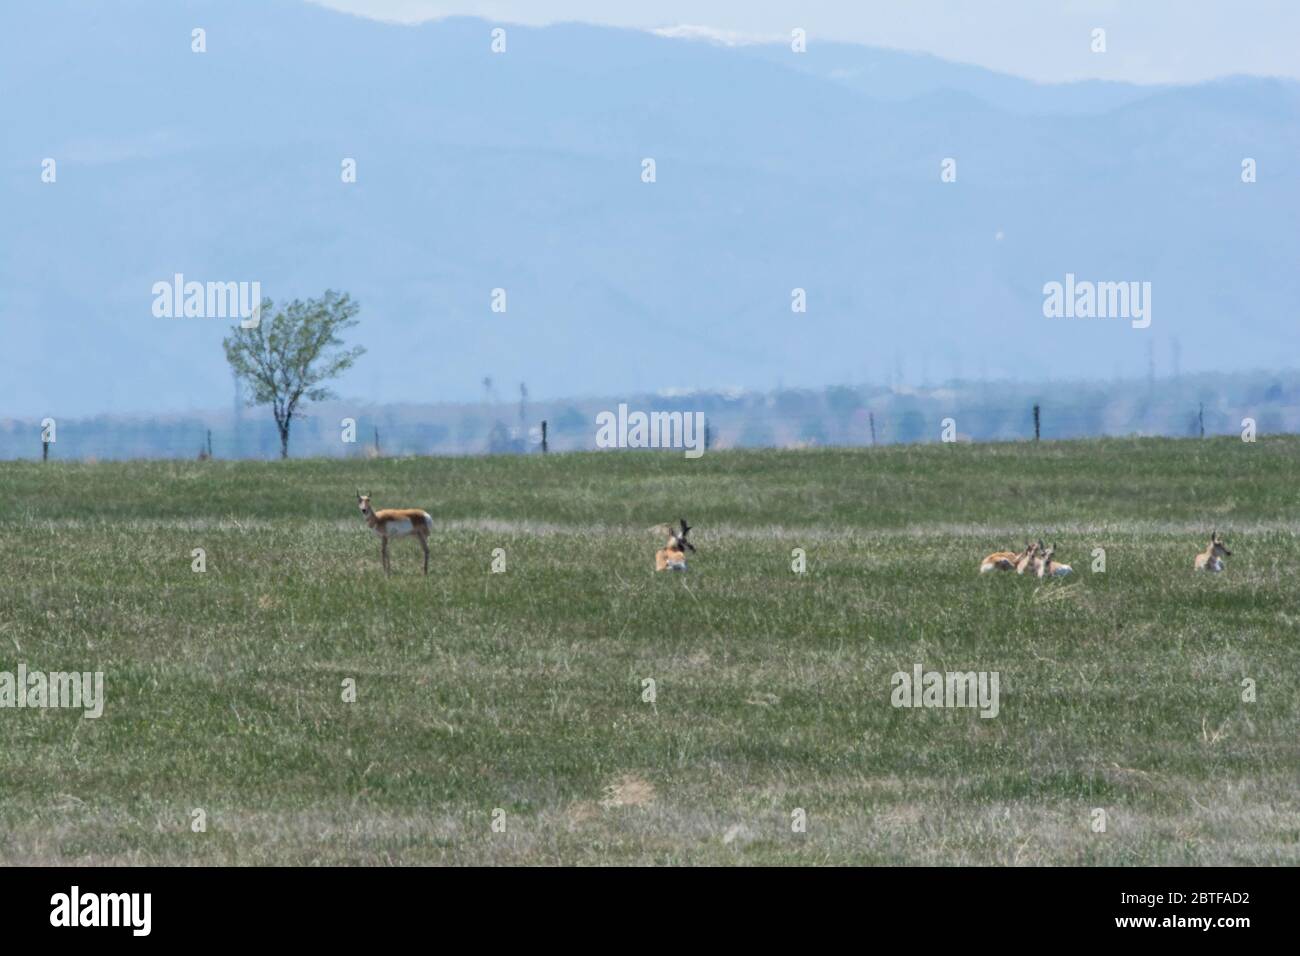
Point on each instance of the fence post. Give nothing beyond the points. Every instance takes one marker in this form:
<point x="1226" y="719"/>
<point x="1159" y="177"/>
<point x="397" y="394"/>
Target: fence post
<point x="376" y="439"/>
<point x="708" y="435"/>
<point x="45" y="450"/>
<point x="543" y="436"/>
<point x="1200" y="419"/>
<point x="871" y="417"/>
<point x="1036" y="421"/>
<point x="209" y="442"/>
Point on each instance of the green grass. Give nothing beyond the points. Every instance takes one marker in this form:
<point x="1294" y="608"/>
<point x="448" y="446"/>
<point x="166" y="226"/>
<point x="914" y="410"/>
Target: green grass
<point x="523" y="691"/>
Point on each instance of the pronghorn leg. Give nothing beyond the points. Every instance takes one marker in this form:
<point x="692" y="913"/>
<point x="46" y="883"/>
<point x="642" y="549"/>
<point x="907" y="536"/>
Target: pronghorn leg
<point x="425" y="544"/>
<point x="384" y="553"/>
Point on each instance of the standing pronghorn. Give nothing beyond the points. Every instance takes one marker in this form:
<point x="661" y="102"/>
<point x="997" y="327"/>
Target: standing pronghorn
<point x="672" y="556"/>
<point x="1211" y="559"/>
<point x="397" y="523"/>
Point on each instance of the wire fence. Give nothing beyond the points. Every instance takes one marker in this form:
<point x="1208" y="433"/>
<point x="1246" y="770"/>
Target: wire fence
<point x="778" y="420"/>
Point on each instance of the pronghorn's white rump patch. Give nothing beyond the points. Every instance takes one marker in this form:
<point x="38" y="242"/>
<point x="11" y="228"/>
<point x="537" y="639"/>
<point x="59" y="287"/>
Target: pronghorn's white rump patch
<point x="410" y="525"/>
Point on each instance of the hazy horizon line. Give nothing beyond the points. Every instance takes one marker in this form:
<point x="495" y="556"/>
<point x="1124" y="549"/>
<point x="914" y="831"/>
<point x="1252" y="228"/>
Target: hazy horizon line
<point x="732" y="392"/>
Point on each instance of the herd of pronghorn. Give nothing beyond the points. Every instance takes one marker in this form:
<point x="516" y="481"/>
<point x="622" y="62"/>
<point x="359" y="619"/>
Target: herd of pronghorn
<point x="1041" y="561"/>
<point x="1035" y="559"/>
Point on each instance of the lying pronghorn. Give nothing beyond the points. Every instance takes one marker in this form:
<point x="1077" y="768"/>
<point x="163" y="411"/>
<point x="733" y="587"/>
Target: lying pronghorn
<point x="1004" y="560"/>
<point x="1211" y="559"/>
<point x="397" y="523"/>
<point x="1050" y="567"/>
<point x="1029" y="558"/>
<point x="672" y="556"/>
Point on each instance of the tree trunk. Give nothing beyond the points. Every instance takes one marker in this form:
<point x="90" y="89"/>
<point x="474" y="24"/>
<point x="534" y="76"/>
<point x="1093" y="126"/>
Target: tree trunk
<point x="284" y="441"/>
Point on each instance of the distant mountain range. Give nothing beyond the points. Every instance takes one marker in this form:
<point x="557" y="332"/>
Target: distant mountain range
<point x="523" y="171"/>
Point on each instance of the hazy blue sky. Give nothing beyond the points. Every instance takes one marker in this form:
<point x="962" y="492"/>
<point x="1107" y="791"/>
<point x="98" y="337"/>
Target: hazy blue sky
<point x="1148" y="41"/>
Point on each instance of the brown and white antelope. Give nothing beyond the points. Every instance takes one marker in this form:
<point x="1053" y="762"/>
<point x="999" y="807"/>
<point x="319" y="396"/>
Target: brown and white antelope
<point x="1211" y="559"/>
<point x="1049" y="567"/>
<point x="1004" y="560"/>
<point x="397" y="523"/>
<point x="1029" y="559"/>
<point x="672" y="556"/>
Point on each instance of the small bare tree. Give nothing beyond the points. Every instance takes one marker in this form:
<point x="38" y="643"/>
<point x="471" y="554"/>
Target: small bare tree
<point x="290" y="353"/>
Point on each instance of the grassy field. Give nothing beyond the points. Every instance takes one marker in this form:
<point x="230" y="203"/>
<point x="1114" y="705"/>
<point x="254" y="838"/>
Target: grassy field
<point x="523" y="691"/>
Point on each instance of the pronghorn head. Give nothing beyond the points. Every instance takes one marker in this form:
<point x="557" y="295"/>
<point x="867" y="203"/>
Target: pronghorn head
<point x="1026" y="559"/>
<point x="1218" y="547"/>
<point x="678" y="538"/>
<point x="363" y="502"/>
<point x="1049" y="553"/>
